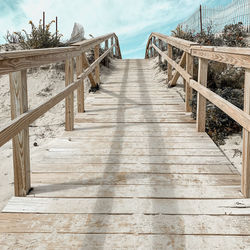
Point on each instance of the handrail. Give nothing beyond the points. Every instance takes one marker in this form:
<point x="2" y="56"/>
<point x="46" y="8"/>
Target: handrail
<point x="16" y="64"/>
<point x="24" y="59"/>
<point x="235" y="56"/>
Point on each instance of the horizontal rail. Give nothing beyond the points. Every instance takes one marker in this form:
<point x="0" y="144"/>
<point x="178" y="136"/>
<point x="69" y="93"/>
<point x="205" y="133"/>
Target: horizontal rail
<point x="235" y="56"/>
<point x="25" y="59"/>
<point x="18" y="124"/>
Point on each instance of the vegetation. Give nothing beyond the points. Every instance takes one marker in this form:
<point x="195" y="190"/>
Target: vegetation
<point x="225" y="80"/>
<point x="40" y="37"/>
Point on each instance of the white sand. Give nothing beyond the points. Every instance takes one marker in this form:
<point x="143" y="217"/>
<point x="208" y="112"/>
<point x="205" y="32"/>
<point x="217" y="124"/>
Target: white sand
<point x="42" y="85"/>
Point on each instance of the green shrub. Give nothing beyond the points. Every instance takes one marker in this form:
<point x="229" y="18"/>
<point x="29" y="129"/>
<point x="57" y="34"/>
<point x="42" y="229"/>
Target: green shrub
<point x="39" y="37"/>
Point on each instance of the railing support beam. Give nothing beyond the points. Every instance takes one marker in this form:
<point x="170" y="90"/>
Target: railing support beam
<point x="245" y="182"/>
<point x="188" y="92"/>
<point x="170" y="54"/>
<point x="69" y="100"/>
<point x="201" y="101"/>
<point x="20" y="143"/>
<point x="80" y="89"/>
<point x="97" y="69"/>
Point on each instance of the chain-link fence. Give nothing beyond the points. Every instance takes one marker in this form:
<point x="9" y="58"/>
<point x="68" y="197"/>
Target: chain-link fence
<point x="218" y="17"/>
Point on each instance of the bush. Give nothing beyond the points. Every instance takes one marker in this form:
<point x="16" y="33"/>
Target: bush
<point x="38" y="38"/>
<point x="225" y="80"/>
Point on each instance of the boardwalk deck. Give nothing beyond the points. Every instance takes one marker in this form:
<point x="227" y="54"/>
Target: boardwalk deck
<point x="134" y="174"/>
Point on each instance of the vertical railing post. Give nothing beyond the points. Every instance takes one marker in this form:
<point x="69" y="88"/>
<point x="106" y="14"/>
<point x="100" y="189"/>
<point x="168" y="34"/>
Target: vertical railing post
<point x="80" y="89"/>
<point x="97" y="69"/>
<point x="201" y="101"/>
<point x="20" y="143"/>
<point x="153" y="42"/>
<point x="160" y="47"/>
<point x="151" y="48"/>
<point x="106" y="48"/>
<point x="85" y="64"/>
<point x="69" y="100"/>
<point x="245" y="177"/>
<point x="170" y="54"/>
<point x="190" y="69"/>
<point x="112" y="50"/>
<point x="116" y="48"/>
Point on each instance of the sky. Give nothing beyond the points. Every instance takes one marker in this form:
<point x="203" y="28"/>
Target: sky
<point x="131" y="20"/>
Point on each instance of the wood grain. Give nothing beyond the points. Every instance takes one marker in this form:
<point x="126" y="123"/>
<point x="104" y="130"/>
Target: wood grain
<point x="20" y="142"/>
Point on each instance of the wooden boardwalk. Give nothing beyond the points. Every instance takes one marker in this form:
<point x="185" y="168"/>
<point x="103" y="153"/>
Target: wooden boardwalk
<point x="134" y="174"/>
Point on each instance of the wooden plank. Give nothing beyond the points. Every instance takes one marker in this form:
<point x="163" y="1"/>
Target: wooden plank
<point x="132" y="210"/>
<point x="134" y="168"/>
<point x="246" y="140"/>
<point x="20" y="143"/>
<point x="201" y="100"/>
<point x="176" y="75"/>
<point x="188" y="89"/>
<point x="170" y="55"/>
<point x="139" y="191"/>
<point x="112" y="43"/>
<point x="135" y="179"/>
<point x="80" y="90"/>
<point x="121" y="241"/>
<point x="69" y="100"/>
<point x="85" y="64"/>
<point x="97" y="69"/>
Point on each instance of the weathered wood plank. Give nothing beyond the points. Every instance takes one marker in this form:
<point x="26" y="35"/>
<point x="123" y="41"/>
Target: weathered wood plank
<point x="170" y="55"/>
<point x="246" y="140"/>
<point x="20" y="143"/>
<point x="69" y="100"/>
<point x="80" y="90"/>
<point x="201" y="100"/>
<point x="188" y="89"/>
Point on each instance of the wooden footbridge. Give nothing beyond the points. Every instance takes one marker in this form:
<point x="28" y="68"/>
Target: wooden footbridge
<point x="134" y="171"/>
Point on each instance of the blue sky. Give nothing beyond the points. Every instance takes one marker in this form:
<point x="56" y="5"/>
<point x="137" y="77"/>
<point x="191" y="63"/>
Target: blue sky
<point x="131" y="20"/>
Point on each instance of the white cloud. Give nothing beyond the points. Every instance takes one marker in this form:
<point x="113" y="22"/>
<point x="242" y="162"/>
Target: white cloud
<point x="130" y="19"/>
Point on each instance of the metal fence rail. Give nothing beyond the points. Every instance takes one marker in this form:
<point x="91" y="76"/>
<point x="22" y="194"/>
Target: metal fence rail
<point x="218" y="17"/>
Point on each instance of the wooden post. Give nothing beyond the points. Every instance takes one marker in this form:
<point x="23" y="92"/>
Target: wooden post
<point x="69" y="101"/>
<point x="85" y="64"/>
<point x="80" y="90"/>
<point x="201" y="101"/>
<point x="170" y="54"/>
<point x="160" y="47"/>
<point x="43" y="21"/>
<point x="190" y="69"/>
<point x="151" y="48"/>
<point x="21" y="149"/>
<point x="116" y="47"/>
<point x="154" y="52"/>
<point x="201" y="17"/>
<point x="97" y="69"/>
<point x="245" y="177"/>
<point x="112" y="43"/>
<point x="106" y="48"/>
<point x="56" y="27"/>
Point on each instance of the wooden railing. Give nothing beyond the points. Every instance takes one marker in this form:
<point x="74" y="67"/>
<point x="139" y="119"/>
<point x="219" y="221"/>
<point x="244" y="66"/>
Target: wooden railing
<point x="235" y="56"/>
<point x="17" y="63"/>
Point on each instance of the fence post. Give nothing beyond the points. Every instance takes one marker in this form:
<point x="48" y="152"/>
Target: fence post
<point x="201" y="17"/>
<point x="151" y="48"/>
<point x="20" y="143"/>
<point x="97" y="69"/>
<point x="170" y="54"/>
<point x="201" y="101"/>
<point x="69" y="100"/>
<point x="153" y="42"/>
<point x="245" y="177"/>
<point x="80" y="89"/>
<point x="190" y="69"/>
